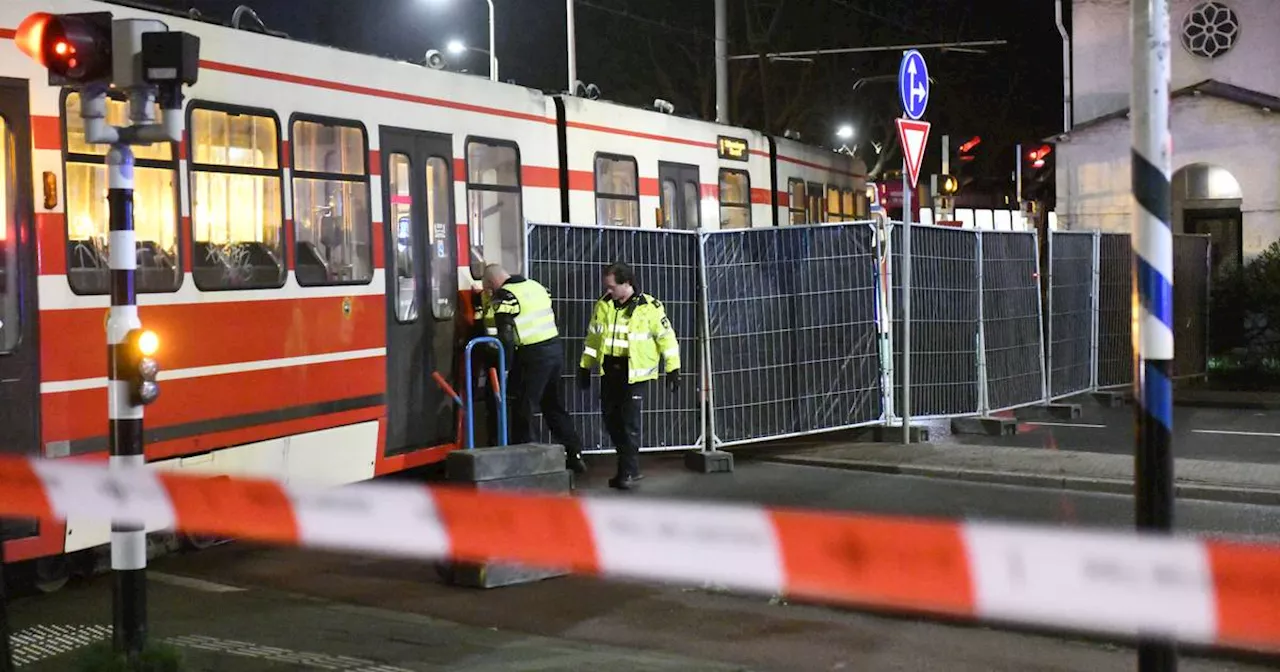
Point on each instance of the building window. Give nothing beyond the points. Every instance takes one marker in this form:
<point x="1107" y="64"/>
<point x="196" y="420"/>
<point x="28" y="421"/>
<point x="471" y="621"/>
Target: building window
<point x="796" y="202"/>
<point x="850" y="209"/>
<point x="237" y="219"/>
<point x="155" y="208"/>
<point x="494" y="213"/>
<point x="617" y="191"/>
<point x="735" y="199"/>
<point x="331" y="202"/>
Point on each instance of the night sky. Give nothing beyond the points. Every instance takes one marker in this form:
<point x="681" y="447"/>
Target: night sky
<point x="639" y="50"/>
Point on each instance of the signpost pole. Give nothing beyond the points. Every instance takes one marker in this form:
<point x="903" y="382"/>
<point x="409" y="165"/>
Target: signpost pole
<point x="1152" y="290"/>
<point x="913" y="93"/>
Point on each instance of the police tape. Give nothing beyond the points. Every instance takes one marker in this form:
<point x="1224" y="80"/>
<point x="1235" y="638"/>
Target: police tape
<point x="1207" y="592"/>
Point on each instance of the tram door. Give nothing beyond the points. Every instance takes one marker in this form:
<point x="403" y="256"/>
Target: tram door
<point x="681" y="196"/>
<point x="422" y="286"/>
<point x="19" y="346"/>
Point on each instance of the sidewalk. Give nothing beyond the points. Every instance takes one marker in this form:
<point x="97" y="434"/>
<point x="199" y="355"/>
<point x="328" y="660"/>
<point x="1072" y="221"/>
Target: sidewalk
<point x="1235" y="482"/>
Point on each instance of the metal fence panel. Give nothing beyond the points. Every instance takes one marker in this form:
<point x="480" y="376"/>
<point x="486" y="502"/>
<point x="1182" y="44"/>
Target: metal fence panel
<point x="944" y="321"/>
<point x="793" y="340"/>
<point x="568" y="260"/>
<point x="1115" y="310"/>
<point x="1011" y="319"/>
<point x="1190" y="305"/>
<point x="1071" y="318"/>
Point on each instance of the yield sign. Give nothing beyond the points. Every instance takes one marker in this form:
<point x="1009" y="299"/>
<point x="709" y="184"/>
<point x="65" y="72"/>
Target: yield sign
<point x="914" y="136"/>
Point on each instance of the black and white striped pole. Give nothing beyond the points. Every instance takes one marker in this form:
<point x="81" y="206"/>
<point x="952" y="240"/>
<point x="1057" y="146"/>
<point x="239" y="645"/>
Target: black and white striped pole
<point x="1152" y="288"/>
<point x="131" y="385"/>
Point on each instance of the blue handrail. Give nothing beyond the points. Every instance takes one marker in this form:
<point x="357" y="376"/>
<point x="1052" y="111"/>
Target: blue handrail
<point x="500" y="393"/>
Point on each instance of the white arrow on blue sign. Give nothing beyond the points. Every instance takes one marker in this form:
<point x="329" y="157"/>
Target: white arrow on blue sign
<point x="913" y="84"/>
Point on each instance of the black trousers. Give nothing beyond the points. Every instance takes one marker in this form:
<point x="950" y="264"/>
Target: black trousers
<point x="535" y="380"/>
<point x="621" y="403"/>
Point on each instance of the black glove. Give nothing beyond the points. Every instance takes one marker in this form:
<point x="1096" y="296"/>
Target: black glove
<point x="584" y="378"/>
<point x="673" y="380"/>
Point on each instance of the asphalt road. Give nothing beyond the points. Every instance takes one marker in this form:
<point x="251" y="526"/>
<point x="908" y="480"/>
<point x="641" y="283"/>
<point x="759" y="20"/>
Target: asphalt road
<point x="1200" y="434"/>
<point x="271" y="609"/>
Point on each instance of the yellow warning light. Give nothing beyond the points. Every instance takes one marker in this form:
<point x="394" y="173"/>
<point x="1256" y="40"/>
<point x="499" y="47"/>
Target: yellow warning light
<point x="148" y="343"/>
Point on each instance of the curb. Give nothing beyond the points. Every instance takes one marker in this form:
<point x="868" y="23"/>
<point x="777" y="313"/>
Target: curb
<point x="1182" y="490"/>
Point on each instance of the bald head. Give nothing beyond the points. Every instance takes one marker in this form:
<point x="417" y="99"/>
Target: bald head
<point x="494" y="277"/>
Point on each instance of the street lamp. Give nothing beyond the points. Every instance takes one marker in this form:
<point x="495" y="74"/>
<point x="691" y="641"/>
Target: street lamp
<point x="493" y="53"/>
<point x="457" y="47"/>
<point x="845" y="132"/>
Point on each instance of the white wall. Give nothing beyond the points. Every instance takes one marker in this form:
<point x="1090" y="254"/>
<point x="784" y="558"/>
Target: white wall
<point x="1102" y="56"/>
<point x="1093" y="167"/>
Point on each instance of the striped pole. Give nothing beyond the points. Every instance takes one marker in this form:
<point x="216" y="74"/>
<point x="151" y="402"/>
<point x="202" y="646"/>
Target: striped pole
<point x="1153" y="287"/>
<point x="128" y="540"/>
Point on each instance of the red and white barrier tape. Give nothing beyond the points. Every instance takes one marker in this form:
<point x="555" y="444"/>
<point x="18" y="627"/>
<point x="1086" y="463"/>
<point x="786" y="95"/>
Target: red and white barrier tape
<point x="1205" y="592"/>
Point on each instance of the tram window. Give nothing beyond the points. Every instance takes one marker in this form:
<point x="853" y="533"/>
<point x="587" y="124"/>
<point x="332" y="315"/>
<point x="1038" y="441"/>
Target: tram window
<point x="692" y="213"/>
<point x="237" y="218"/>
<point x="817" y="213"/>
<point x="494" y="213"/>
<point x="735" y="199"/>
<point x="444" y="265"/>
<point x="617" y="190"/>
<point x="796" y="206"/>
<point x="399" y="179"/>
<point x="850" y="212"/>
<point x="10" y="311"/>
<point x="833" y="204"/>
<point x="669" y="201"/>
<point x="331" y="202"/>
<point x="155" y="208"/>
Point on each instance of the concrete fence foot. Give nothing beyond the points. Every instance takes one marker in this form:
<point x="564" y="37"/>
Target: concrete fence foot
<point x="530" y="466"/>
<point x="1048" y="412"/>
<point x="985" y="426"/>
<point x="1111" y="399"/>
<point x="709" y="461"/>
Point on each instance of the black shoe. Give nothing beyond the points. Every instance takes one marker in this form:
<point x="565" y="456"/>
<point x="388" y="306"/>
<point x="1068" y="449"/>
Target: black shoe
<point x="575" y="464"/>
<point x="623" y="483"/>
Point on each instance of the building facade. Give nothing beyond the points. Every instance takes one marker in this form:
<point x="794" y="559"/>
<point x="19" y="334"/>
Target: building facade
<point x="1226" y="132"/>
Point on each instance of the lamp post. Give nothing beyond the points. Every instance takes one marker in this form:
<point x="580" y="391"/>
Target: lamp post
<point x="458" y="47"/>
<point x="493" y="53"/>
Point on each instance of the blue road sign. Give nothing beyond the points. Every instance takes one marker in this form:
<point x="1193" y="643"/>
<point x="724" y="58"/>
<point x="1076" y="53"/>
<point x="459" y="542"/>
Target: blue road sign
<point x="913" y="84"/>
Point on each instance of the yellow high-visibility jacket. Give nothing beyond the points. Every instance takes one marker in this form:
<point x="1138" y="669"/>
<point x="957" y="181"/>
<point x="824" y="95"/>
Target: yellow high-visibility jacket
<point x="639" y="331"/>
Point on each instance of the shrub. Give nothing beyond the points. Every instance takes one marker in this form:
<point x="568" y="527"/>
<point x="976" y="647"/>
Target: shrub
<point x="154" y="658"/>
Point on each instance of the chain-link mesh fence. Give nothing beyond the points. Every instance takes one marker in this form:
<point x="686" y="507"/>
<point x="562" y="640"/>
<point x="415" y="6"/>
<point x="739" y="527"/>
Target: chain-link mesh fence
<point x="1191" y="264"/>
<point x="944" y="321"/>
<point x="1115" y="310"/>
<point x="793" y="341"/>
<point x="569" y="260"/>
<point x="1071" y="326"/>
<point x="1011" y="319"/>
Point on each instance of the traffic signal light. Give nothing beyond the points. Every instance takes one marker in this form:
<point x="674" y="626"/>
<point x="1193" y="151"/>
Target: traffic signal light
<point x="75" y="48"/>
<point x="948" y="185"/>
<point x="1037" y="156"/>
<point x="140" y="367"/>
<point x="966" y="148"/>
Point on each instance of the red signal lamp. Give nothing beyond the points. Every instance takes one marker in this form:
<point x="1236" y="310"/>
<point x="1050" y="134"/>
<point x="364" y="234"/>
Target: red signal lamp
<point x="75" y="48"/>
<point x="968" y="146"/>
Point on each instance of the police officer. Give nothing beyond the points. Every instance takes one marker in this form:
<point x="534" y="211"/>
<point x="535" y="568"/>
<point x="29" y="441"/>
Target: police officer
<point x="628" y="333"/>
<point x="520" y="315"/>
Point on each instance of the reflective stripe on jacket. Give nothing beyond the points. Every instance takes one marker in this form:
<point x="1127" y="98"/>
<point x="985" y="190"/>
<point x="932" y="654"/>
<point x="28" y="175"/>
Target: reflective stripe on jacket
<point x="528" y="304"/>
<point x="639" y="331"/>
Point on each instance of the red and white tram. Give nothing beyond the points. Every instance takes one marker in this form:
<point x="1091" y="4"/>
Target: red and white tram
<point x="306" y="254"/>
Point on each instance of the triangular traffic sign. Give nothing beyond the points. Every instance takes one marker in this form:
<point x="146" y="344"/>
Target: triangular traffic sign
<point x="914" y="136"/>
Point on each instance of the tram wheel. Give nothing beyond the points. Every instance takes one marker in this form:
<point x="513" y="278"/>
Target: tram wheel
<point x="51" y="574"/>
